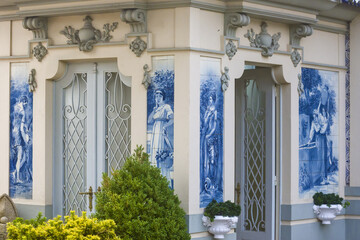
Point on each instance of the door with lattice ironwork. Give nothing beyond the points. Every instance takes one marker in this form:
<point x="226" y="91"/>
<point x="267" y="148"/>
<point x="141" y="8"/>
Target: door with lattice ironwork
<point x="255" y="154"/>
<point x="92" y="122"/>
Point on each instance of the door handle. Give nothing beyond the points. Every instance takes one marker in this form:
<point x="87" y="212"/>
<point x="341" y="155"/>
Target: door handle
<point x="90" y="193"/>
<point x="237" y="190"/>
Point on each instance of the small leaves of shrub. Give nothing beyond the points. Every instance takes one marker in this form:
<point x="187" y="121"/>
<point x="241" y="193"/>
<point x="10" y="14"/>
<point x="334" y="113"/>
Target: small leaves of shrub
<point x="138" y="199"/>
<point x="226" y="209"/>
<point x="74" y="228"/>
<point x="328" y="199"/>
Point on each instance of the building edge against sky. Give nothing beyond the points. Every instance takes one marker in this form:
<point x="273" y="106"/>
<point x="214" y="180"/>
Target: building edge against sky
<point x="275" y="123"/>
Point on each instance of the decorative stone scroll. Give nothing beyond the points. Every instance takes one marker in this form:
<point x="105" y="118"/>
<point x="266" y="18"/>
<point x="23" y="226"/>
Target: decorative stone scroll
<point x="39" y="51"/>
<point x="38" y="25"/>
<point x="233" y="21"/>
<point x="87" y="36"/>
<point x="264" y="40"/>
<point x="230" y="49"/>
<point x="299" y="31"/>
<point x="136" y="18"/>
<point x="8" y="213"/>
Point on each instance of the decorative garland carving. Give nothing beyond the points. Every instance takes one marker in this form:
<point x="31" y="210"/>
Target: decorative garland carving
<point x="31" y="81"/>
<point x="295" y="57"/>
<point x="39" y="51"/>
<point x="136" y="18"/>
<point x="299" y="31"/>
<point x="138" y="46"/>
<point x="233" y="21"/>
<point x="300" y="87"/>
<point x="38" y="25"/>
<point x="225" y="78"/>
<point x="264" y="40"/>
<point x="230" y="49"/>
<point x="147" y="79"/>
<point x="87" y="36"/>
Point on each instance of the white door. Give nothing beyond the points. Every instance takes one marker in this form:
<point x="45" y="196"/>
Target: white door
<point x="255" y="154"/>
<point x="91" y="132"/>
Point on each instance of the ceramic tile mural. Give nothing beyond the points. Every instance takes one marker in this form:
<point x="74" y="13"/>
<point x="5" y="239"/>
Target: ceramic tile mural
<point x="211" y="132"/>
<point x="347" y="106"/>
<point x="21" y="134"/>
<point x="318" y="133"/>
<point x="160" y="114"/>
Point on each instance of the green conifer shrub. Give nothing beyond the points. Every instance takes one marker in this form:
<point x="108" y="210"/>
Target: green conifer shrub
<point x="74" y="228"/>
<point x="138" y="199"/>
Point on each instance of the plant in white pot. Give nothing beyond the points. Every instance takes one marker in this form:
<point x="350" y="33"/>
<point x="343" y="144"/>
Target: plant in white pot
<point x="220" y="217"/>
<point x="328" y="206"/>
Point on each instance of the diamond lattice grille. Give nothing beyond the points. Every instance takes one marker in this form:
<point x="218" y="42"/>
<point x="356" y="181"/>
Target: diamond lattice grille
<point x="118" y="113"/>
<point x="74" y="144"/>
<point x="254" y="154"/>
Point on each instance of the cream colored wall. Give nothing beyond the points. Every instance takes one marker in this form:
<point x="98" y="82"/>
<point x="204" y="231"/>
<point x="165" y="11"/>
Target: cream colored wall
<point x="354" y="99"/>
<point x="19" y="39"/>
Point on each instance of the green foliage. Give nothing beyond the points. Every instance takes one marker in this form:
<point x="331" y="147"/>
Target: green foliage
<point x="226" y="209"/>
<point x="74" y="228"/>
<point x="328" y="199"/>
<point x="138" y="199"/>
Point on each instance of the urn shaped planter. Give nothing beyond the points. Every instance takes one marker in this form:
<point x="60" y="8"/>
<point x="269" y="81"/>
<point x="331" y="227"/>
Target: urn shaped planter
<point x="220" y="226"/>
<point x="325" y="213"/>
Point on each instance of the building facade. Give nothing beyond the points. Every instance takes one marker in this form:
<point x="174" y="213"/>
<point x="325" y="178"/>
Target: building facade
<point x="249" y="101"/>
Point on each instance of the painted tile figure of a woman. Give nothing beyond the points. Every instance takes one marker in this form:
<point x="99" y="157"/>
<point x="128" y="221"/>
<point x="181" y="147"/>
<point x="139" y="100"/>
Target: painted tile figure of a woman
<point x="210" y="142"/>
<point x="161" y="148"/>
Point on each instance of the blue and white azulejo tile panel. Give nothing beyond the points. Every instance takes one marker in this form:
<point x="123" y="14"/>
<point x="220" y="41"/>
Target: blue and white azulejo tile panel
<point x="21" y="133"/>
<point x="160" y="116"/>
<point x="211" y="132"/>
<point x="318" y="133"/>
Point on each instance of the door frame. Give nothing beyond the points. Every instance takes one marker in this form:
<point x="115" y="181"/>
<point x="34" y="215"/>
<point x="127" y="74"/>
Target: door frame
<point x="276" y="149"/>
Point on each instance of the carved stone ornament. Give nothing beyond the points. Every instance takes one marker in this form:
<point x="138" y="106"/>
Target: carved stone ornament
<point x="147" y="79"/>
<point x="39" y="51"/>
<point x="233" y="21"/>
<point x="138" y="46"/>
<point x="38" y="25"/>
<point x="31" y="81"/>
<point x="8" y="213"/>
<point x="264" y="40"/>
<point x="225" y="78"/>
<point x="295" y="57"/>
<point x="299" y="31"/>
<point x="87" y="36"/>
<point x="300" y="87"/>
<point x="136" y="18"/>
<point x="230" y="49"/>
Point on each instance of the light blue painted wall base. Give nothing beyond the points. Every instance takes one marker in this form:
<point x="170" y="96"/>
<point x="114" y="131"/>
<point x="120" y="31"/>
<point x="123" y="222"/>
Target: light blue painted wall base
<point x="27" y="211"/>
<point x="231" y="236"/>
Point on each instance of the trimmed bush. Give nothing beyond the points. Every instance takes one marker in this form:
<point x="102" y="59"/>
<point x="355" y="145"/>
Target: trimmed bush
<point x="138" y="199"/>
<point x="226" y="209"/>
<point x="74" y="228"/>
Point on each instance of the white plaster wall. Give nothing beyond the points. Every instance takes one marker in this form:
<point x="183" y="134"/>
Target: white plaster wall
<point x="161" y="24"/>
<point x="354" y="99"/>
<point x="5" y="38"/>
<point x="19" y="39"/>
<point x="211" y="30"/>
<point x="324" y="47"/>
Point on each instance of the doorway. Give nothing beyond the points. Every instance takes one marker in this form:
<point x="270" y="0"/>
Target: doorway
<point x="256" y="154"/>
<point x="92" y="132"/>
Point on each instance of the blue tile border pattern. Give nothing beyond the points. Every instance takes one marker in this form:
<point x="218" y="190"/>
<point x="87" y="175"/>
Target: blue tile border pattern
<point x="347" y="106"/>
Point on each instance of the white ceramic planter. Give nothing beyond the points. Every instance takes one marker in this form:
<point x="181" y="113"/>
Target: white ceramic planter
<point x="327" y="214"/>
<point x="220" y="226"/>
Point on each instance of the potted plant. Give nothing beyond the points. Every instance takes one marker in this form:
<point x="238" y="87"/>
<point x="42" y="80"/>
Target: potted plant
<point x="220" y="217"/>
<point x="328" y="206"/>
